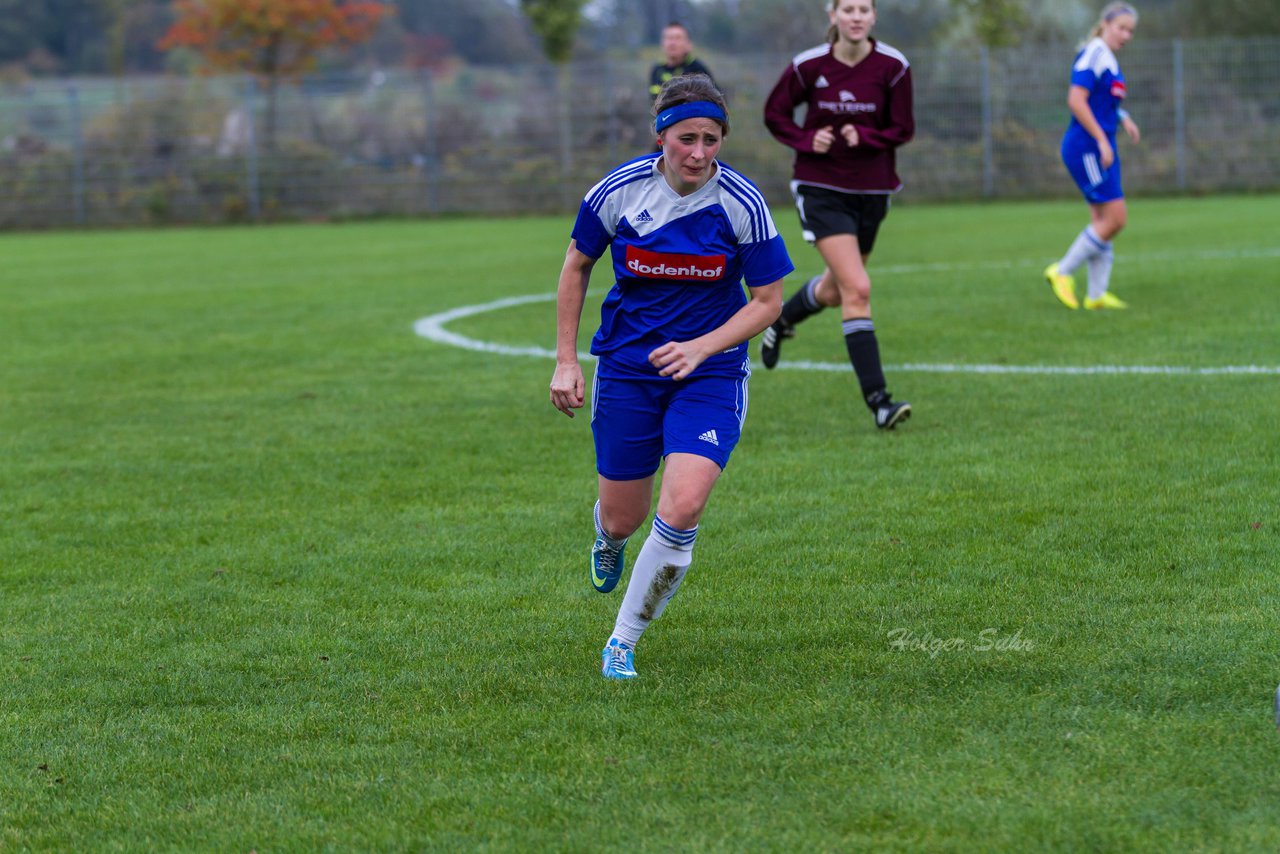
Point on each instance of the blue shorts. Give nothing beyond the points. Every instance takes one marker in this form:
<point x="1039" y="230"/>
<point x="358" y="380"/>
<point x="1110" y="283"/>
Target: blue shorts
<point x="1080" y="154"/>
<point x="636" y="423"/>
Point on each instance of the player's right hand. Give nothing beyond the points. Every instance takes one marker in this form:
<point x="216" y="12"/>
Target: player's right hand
<point x="823" y="139"/>
<point x="567" y="387"/>
<point x="1106" y="154"/>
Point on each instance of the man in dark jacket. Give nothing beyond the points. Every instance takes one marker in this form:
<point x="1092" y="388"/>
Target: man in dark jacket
<point x="678" y="50"/>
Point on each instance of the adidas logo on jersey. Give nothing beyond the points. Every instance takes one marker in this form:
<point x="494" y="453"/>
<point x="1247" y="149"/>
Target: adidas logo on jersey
<point x="710" y="436"/>
<point x="644" y="216"/>
<point x="821" y="82"/>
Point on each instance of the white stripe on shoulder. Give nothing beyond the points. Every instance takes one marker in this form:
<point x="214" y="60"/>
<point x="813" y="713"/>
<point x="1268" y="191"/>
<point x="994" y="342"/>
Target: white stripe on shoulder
<point x="632" y="170"/>
<point x="811" y="53"/>
<point x="639" y="164"/>
<point x="748" y="191"/>
<point x="891" y="51"/>
<point x="758" y="219"/>
<point x="1097" y="57"/>
<point x="1085" y="57"/>
<point x="730" y="172"/>
<point x="625" y="169"/>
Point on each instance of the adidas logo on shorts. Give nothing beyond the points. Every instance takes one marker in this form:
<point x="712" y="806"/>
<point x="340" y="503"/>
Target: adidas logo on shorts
<point x="644" y="216"/>
<point x="710" y="436"/>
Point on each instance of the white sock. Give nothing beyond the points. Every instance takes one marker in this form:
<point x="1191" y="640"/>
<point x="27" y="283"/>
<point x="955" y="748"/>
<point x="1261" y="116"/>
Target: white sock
<point x="1085" y="246"/>
<point x="660" y="567"/>
<point x="1100" y="272"/>
<point x="613" y="542"/>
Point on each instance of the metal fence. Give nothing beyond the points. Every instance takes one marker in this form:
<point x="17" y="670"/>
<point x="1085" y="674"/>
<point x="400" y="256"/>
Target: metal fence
<point x="532" y="139"/>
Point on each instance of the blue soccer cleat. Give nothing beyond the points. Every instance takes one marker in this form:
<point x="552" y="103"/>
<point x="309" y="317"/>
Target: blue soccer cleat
<point x="618" y="661"/>
<point x="606" y="565"/>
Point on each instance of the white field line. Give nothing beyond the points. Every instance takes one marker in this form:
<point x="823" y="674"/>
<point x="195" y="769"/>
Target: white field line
<point x="433" y="328"/>
<point x="1141" y="257"/>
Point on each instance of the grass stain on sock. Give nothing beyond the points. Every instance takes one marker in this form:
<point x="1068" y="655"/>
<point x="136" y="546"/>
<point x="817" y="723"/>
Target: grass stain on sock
<point x="662" y="583"/>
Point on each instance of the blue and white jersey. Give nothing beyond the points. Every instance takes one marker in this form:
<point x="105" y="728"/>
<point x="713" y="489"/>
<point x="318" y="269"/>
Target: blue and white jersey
<point x="1097" y="70"/>
<point x="678" y="262"/>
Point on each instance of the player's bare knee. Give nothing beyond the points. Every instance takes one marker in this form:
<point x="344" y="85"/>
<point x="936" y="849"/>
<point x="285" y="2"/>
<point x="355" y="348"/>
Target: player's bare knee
<point x="827" y="293"/>
<point x="622" y="522"/>
<point x="857" y="303"/>
<point x="682" y="512"/>
<point x="855" y="289"/>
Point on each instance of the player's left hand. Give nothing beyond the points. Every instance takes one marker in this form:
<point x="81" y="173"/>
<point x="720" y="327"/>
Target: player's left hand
<point x="1131" y="128"/>
<point x="676" y="359"/>
<point x="850" y="134"/>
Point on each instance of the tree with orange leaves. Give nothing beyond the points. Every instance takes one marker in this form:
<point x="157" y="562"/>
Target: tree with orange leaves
<point x="272" y="39"/>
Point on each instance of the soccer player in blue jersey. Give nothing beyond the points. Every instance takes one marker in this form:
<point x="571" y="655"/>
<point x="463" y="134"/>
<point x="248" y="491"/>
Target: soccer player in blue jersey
<point x="1089" y="152"/>
<point x="682" y="232"/>
<point x="857" y="93"/>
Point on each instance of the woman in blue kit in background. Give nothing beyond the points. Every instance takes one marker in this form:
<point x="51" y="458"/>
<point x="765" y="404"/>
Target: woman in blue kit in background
<point x="683" y="233"/>
<point x="1089" y="152"/>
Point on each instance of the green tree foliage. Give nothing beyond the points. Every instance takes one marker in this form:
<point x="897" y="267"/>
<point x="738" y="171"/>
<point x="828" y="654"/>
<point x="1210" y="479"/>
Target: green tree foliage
<point x="1010" y="23"/>
<point x="132" y="28"/>
<point x="20" y="25"/>
<point x="556" y="22"/>
<point x="995" y="23"/>
<point x="486" y="32"/>
<point x="51" y="35"/>
<point x="763" y="26"/>
<point x="119" y="36"/>
<point x="1198" y="19"/>
<point x="82" y="36"/>
<point x="783" y="26"/>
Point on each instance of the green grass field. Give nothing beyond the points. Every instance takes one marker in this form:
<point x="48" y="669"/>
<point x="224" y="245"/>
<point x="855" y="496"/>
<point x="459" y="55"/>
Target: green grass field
<point x="279" y="575"/>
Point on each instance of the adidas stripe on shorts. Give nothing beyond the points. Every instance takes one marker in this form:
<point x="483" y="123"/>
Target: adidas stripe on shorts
<point x="1080" y="155"/>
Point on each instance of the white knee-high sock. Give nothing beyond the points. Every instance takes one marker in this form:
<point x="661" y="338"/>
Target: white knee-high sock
<point x="1100" y="272"/>
<point x="1085" y="246"/>
<point x="660" y="567"/>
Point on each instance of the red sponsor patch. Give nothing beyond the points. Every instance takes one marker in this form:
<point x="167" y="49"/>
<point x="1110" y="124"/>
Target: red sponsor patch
<point x="1118" y="89"/>
<point x="666" y="265"/>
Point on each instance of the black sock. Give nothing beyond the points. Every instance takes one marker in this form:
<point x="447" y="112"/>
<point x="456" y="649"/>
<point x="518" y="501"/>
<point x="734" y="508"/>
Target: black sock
<point x="803" y="303"/>
<point x="864" y="353"/>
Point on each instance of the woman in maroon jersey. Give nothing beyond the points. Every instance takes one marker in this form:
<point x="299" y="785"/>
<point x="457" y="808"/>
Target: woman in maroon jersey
<point x="858" y="94"/>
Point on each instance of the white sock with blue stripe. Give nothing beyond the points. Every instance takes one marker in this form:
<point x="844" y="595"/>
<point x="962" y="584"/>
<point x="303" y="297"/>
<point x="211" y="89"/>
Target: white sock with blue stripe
<point x="1100" y="272"/>
<point x="660" y="567"/>
<point x="1086" y="245"/>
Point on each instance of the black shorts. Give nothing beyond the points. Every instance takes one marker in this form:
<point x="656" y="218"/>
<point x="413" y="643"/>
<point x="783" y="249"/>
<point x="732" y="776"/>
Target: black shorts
<point x="826" y="212"/>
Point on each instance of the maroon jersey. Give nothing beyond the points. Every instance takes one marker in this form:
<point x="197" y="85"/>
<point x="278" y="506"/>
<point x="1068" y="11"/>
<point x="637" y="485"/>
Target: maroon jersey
<point x="874" y="96"/>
